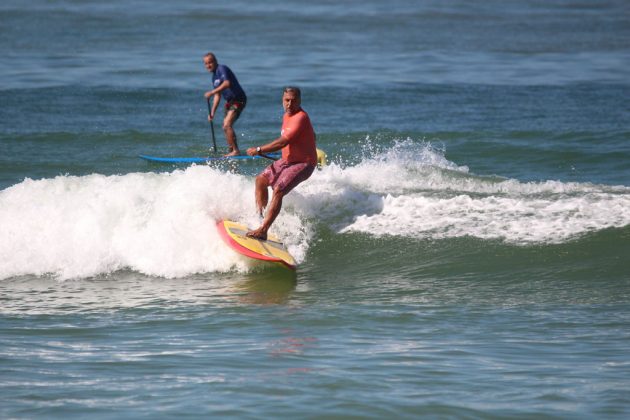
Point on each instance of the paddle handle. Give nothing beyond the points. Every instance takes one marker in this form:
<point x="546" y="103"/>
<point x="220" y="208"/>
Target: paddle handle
<point x="214" y="141"/>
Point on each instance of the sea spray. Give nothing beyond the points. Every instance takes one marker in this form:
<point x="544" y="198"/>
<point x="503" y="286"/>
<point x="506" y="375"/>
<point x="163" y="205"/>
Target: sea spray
<point x="412" y="190"/>
<point x="163" y="224"/>
<point x="160" y="224"/>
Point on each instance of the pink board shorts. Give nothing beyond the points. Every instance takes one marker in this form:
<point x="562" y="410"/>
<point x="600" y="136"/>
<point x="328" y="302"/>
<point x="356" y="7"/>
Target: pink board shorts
<point x="285" y="176"/>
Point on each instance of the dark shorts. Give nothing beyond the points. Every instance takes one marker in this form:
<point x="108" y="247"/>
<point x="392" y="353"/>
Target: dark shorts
<point x="236" y="106"/>
<point x="285" y="176"/>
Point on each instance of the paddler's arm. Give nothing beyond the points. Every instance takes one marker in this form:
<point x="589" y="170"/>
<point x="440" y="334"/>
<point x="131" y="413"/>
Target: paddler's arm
<point x="224" y="85"/>
<point x="274" y="146"/>
<point x="216" y="92"/>
<point x="215" y="105"/>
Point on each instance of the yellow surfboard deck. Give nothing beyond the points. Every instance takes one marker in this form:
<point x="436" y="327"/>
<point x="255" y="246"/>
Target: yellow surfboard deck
<point x="272" y="250"/>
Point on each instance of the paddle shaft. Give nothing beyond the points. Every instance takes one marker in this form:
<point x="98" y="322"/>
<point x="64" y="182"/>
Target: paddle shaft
<point x="267" y="156"/>
<point x="214" y="141"/>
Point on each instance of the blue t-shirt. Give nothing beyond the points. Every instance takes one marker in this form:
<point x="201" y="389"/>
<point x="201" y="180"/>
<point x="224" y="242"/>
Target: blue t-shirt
<point x="235" y="91"/>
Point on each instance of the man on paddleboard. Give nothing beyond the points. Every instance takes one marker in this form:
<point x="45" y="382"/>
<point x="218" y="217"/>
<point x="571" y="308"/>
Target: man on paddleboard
<point x="225" y="84"/>
<point x="298" y="161"/>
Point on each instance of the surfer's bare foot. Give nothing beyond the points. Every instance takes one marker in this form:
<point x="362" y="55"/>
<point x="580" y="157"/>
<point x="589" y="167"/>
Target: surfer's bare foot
<point x="233" y="153"/>
<point x="258" y="234"/>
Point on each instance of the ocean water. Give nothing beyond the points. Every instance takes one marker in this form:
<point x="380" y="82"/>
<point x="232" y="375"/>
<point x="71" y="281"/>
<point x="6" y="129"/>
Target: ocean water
<point x="465" y="254"/>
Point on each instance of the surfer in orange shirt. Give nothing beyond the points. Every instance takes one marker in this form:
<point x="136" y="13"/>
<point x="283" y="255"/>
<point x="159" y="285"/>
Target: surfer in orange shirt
<point x="298" y="161"/>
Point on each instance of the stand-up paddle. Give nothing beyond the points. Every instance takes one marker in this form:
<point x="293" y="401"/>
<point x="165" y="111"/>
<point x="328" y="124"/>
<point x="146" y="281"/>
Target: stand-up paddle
<point x="270" y="157"/>
<point x="321" y="158"/>
<point x="206" y="159"/>
<point x="214" y="141"/>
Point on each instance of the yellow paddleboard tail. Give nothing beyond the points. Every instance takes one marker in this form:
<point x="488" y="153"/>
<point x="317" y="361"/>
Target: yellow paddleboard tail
<point x="272" y="250"/>
<point x="321" y="158"/>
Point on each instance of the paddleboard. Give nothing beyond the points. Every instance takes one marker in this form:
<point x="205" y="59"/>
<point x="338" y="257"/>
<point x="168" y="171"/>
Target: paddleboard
<point x="271" y="250"/>
<point x="321" y="158"/>
<point x="203" y="159"/>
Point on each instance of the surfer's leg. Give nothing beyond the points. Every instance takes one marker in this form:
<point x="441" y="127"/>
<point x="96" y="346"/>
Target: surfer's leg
<point x="262" y="194"/>
<point x="283" y="178"/>
<point x="267" y="178"/>
<point x="230" y="136"/>
<point x="272" y="213"/>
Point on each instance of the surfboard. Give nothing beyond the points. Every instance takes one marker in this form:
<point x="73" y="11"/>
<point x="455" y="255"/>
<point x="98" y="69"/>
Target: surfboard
<point x="321" y="158"/>
<point x="200" y="159"/>
<point x="271" y="250"/>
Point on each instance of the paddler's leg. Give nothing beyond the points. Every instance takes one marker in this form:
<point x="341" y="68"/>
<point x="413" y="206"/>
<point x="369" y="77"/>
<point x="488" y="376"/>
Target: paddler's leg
<point x="262" y="195"/>
<point x="272" y="212"/>
<point x="230" y="136"/>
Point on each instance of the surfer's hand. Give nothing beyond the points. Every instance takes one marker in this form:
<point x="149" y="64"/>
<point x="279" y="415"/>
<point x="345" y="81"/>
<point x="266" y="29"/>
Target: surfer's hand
<point x="252" y="151"/>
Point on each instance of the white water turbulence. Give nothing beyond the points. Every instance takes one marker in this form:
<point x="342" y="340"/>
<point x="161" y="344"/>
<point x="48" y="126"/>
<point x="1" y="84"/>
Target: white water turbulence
<point x="163" y="224"/>
<point x="413" y="191"/>
<point x="160" y="224"/>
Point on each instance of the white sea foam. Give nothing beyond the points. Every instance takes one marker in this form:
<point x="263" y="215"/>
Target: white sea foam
<point x="513" y="219"/>
<point x="163" y="224"/>
<point x="157" y="224"/>
<point x="413" y="191"/>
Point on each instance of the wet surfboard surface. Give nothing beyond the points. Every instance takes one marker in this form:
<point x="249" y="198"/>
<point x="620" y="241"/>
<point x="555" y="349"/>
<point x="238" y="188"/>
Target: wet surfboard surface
<point x="272" y="249"/>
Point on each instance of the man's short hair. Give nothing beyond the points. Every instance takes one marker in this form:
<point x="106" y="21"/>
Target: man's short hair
<point x="293" y="89"/>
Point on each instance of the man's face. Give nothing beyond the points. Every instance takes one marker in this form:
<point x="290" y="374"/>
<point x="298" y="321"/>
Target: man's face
<point x="290" y="102"/>
<point x="210" y="63"/>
